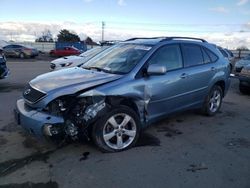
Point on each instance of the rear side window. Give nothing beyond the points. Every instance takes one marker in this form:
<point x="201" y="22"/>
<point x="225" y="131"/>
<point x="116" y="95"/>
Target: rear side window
<point x="192" y="55"/>
<point x="223" y="53"/>
<point x="205" y="56"/>
<point x="212" y="56"/>
<point x="169" y="55"/>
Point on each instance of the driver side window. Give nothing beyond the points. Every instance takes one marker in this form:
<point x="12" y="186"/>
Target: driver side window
<point x="169" y="55"/>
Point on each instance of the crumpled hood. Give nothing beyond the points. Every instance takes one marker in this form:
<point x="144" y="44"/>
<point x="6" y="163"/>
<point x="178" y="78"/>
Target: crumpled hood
<point x="74" y="79"/>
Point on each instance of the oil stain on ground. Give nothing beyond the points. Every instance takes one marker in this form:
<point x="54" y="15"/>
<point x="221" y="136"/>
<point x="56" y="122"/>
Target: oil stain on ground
<point x="3" y="141"/>
<point x="10" y="127"/>
<point x="10" y="166"/>
<point x="7" y="87"/>
<point x="148" y="140"/>
<point x="169" y="131"/>
<point x="50" y="184"/>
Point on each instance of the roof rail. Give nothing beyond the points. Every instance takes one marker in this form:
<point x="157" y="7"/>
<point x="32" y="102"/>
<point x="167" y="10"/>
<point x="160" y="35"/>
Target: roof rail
<point x="142" y="38"/>
<point x="189" y="38"/>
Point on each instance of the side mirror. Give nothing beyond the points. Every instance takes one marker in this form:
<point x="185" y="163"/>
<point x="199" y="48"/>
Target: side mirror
<point x="156" y="69"/>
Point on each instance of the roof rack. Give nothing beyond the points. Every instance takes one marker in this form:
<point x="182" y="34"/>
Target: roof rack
<point x="189" y="38"/>
<point x="167" y="38"/>
<point x="142" y="38"/>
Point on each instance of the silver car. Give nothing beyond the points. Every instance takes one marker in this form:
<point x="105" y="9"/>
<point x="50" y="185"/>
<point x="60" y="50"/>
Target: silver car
<point x="117" y="94"/>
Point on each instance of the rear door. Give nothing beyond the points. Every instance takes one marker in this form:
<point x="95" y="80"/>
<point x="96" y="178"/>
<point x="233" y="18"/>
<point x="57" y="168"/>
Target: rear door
<point x="199" y="69"/>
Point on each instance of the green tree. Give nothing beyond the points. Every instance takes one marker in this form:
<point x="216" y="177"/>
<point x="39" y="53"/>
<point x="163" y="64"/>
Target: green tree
<point x="89" y="41"/>
<point x="66" y="36"/>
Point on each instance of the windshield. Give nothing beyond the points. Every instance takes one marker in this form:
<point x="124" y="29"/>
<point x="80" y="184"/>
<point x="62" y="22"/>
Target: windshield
<point x="92" y="52"/>
<point x="119" y="59"/>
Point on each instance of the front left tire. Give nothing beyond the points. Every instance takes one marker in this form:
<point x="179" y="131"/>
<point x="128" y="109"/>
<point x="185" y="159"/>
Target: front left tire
<point x="117" y="130"/>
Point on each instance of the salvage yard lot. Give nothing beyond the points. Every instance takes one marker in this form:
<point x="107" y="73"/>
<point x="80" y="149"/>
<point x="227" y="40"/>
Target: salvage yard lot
<point x="184" y="150"/>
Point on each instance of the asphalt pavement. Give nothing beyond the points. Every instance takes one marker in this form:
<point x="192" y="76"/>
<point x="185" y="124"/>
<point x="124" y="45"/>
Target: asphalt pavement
<point x="184" y="150"/>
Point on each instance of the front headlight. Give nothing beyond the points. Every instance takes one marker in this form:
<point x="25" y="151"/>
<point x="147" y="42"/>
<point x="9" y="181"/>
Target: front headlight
<point x="57" y="106"/>
<point x="66" y="64"/>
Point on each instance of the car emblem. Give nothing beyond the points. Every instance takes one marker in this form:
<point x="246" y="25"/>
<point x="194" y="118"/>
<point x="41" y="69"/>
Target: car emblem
<point x="26" y="92"/>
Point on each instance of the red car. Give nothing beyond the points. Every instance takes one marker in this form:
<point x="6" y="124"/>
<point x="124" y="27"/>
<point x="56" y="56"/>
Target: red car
<point x="66" y="51"/>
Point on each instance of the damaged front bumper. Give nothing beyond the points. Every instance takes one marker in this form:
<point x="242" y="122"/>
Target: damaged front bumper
<point x="37" y="123"/>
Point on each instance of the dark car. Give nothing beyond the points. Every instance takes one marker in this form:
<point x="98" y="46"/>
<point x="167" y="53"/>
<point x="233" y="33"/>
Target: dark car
<point x="16" y="50"/>
<point x="4" y="71"/>
<point x="124" y="89"/>
<point x="244" y="77"/>
<point x="65" y="51"/>
<point x="242" y="63"/>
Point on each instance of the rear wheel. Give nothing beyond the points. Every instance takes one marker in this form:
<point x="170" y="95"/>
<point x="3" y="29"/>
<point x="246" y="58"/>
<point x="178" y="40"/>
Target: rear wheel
<point x="116" y="131"/>
<point x="213" y="101"/>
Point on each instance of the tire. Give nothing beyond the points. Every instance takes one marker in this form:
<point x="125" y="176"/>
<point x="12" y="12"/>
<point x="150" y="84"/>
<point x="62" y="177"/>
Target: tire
<point x="213" y="101"/>
<point x="243" y="89"/>
<point x="22" y="55"/>
<point x="111" y="135"/>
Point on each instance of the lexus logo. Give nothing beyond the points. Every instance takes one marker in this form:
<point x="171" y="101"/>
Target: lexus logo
<point x="26" y="92"/>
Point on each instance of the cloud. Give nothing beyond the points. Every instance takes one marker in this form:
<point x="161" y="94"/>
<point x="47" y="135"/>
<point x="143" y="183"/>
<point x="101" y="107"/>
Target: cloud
<point x="121" y="3"/>
<point x="219" y="9"/>
<point x="242" y="2"/>
<point x="29" y="31"/>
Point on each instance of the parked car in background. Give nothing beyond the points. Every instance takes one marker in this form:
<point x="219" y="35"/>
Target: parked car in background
<point x="241" y="63"/>
<point x="74" y="60"/>
<point x="4" y="71"/>
<point x="244" y="77"/>
<point x="227" y="55"/>
<point x="15" y="50"/>
<point x="65" y="51"/>
<point x="117" y="93"/>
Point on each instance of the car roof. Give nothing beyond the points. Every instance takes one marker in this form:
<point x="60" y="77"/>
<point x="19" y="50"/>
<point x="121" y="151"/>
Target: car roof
<point x="156" y="40"/>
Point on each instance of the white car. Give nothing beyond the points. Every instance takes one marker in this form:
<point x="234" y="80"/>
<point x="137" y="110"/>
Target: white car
<point x="75" y="60"/>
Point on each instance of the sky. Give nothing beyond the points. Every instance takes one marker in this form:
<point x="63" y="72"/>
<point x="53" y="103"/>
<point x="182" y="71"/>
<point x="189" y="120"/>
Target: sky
<point x="224" y="22"/>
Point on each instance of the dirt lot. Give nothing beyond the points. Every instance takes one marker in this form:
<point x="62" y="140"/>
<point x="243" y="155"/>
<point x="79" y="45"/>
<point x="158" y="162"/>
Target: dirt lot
<point x="184" y="150"/>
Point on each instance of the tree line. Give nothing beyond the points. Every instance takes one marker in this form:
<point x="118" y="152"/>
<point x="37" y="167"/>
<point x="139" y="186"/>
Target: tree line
<point x="63" y="36"/>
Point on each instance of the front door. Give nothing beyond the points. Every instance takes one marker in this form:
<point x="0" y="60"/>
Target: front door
<point x="165" y="93"/>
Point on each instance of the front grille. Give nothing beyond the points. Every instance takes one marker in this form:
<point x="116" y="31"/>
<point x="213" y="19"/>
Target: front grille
<point x="32" y="95"/>
<point x="52" y="66"/>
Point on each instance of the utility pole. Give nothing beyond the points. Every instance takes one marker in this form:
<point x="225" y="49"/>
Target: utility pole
<point x="103" y="25"/>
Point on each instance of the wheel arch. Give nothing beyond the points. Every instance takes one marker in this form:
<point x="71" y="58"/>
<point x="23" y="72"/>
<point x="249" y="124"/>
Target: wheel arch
<point x="222" y="84"/>
<point x="125" y="101"/>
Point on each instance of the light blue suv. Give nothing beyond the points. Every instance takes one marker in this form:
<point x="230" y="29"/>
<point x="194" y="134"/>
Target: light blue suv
<point x="116" y="94"/>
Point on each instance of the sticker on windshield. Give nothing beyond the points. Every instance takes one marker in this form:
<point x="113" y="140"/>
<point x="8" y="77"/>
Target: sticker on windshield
<point x="147" y="48"/>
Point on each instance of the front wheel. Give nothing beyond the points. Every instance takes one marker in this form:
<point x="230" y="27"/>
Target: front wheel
<point x="116" y="131"/>
<point x="213" y="101"/>
<point x="22" y="55"/>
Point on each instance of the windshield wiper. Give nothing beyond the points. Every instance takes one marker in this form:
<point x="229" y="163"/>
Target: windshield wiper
<point x="96" y="68"/>
<point x="103" y="70"/>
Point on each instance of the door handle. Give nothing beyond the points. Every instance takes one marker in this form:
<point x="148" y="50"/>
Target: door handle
<point x="212" y="68"/>
<point x="183" y="75"/>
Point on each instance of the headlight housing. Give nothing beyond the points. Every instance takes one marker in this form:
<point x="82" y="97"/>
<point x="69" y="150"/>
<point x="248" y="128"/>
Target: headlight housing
<point x="66" y="64"/>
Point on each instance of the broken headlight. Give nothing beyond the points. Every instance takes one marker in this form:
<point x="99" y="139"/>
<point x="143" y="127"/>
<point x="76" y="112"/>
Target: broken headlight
<point x="57" y="106"/>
